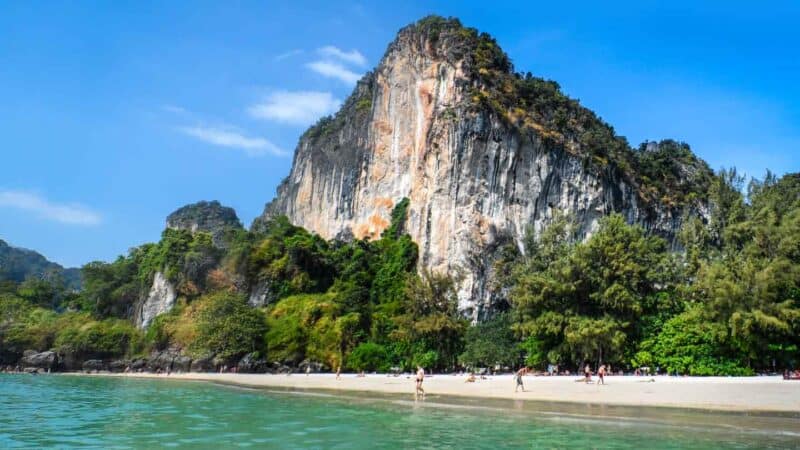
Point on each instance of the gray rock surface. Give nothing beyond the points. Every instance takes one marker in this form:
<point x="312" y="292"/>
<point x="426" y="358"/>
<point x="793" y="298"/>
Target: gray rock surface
<point x="119" y="365"/>
<point x="41" y="360"/>
<point x="316" y="367"/>
<point x="182" y="364"/>
<point x="261" y="294"/>
<point x="204" y="364"/>
<point x="161" y="361"/>
<point x="252" y="363"/>
<point x="94" y="365"/>
<point x="160" y="299"/>
<point x="210" y="217"/>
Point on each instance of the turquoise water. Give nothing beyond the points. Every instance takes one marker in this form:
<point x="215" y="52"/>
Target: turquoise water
<point x="70" y="411"/>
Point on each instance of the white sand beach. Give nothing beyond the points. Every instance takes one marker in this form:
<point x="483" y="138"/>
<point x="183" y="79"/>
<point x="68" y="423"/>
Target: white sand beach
<point x="757" y="394"/>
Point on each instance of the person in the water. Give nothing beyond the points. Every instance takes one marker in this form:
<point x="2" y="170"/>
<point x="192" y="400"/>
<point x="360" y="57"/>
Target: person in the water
<point x="418" y="382"/>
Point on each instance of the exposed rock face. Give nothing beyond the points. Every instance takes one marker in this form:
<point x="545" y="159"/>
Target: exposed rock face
<point x="261" y="294"/>
<point x="210" y="217"/>
<point x="204" y="364"/>
<point x="475" y="178"/>
<point x="94" y="365"/>
<point x="160" y="299"/>
<point x="251" y="363"/>
<point x="43" y="360"/>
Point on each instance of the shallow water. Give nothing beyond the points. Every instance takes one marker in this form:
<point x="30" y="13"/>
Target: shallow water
<point x="70" y="411"/>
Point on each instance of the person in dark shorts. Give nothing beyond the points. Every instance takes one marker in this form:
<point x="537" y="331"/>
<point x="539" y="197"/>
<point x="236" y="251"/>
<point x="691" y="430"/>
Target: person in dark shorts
<point x="418" y="381"/>
<point x="518" y="376"/>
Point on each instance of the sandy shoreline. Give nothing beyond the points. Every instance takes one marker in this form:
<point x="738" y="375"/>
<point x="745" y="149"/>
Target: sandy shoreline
<point x="739" y="394"/>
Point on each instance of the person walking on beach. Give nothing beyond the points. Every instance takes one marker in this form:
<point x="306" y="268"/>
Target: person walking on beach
<point x="420" y="378"/>
<point x="587" y="373"/>
<point x="601" y="373"/>
<point x="338" y="371"/>
<point x="518" y="377"/>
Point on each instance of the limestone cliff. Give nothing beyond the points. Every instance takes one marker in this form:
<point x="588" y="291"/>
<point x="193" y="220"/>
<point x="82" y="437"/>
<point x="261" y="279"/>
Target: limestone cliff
<point x="160" y="299"/>
<point x="481" y="152"/>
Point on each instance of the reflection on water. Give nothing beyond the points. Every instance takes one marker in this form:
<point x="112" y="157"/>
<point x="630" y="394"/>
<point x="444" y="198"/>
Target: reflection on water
<point x="69" y="411"/>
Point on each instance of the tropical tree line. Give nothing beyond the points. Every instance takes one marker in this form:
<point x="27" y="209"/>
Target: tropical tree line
<point x="725" y="303"/>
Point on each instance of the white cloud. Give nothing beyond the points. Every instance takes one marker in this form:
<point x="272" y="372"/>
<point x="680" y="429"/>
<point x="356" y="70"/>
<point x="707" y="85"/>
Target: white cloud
<point x="334" y="70"/>
<point x="299" y="107"/>
<point x="67" y="213"/>
<point x="288" y="54"/>
<point x="352" y="57"/>
<point x="174" y="109"/>
<point x="252" y="146"/>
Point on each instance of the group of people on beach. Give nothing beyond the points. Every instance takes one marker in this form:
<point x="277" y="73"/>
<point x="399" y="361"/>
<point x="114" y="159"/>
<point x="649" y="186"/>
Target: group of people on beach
<point x="602" y="371"/>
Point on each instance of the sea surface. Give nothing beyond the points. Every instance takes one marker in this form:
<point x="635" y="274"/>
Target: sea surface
<point x="62" y="411"/>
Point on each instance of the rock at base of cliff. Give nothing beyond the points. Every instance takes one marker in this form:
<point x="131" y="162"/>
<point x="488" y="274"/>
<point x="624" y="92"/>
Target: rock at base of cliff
<point x="42" y="360"/>
<point x="252" y="363"/>
<point x="119" y="365"/>
<point x="94" y="365"/>
<point x="313" y="366"/>
<point x="204" y="364"/>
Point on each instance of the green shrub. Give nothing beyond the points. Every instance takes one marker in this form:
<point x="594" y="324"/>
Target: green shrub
<point x="369" y="356"/>
<point x="92" y="339"/>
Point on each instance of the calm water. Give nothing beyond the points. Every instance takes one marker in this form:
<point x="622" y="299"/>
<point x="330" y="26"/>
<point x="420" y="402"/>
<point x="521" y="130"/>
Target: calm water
<point x="69" y="411"/>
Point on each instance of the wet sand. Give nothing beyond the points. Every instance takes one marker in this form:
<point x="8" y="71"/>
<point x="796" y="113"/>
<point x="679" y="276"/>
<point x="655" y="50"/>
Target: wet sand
<point x="739" y="394"/>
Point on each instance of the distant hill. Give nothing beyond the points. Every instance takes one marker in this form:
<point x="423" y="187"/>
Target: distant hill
<point x="18" y="264"/>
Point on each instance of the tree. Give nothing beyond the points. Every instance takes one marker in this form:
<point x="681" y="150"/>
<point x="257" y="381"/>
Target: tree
<point x="491" y="343"/>
<point x="228" y="327"/>
<point x="430" y="322"/>
<point x="585" y="301"/>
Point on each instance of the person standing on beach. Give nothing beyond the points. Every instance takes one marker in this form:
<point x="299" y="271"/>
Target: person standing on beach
<point x="587" y="372"/>
<point x="338" y="371"/>
<point x="601" y="373"/>
<point x="420" y="378"/>
<point x="518" y="377"/>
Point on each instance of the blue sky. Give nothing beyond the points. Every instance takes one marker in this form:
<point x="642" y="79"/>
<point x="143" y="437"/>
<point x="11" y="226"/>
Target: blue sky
<point x="113" y="114"/>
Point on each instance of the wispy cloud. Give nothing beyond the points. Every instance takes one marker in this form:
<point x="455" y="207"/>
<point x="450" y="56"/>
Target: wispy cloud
<point x="352" y="57"/>
<point x="288" y="54"/>
<point x="174" y="109"/>
<point x="67" y="213"/>
<point x="299" y="107"/>
<point x="230" y="138"/>
<point x="334" y="70"/>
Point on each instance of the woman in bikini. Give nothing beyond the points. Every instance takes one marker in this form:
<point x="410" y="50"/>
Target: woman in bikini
<point x="419" y="379"/>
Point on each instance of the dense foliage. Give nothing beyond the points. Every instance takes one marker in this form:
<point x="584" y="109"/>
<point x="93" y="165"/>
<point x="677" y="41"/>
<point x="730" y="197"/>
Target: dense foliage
<point x="726" y="304"/>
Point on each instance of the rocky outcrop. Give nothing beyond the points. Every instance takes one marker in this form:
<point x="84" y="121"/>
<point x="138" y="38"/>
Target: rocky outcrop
<point x="430" y="124"/>
<point x="39" y="360"/>
<point x="94" y="365"/>
<point x="261" y="294"/>
<point x="160" y="299"/>
<point x="119" y="365"/>
<point x="209" y="217"/>
<point x="203" y="364"/>
<point x="252" y="363"/>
